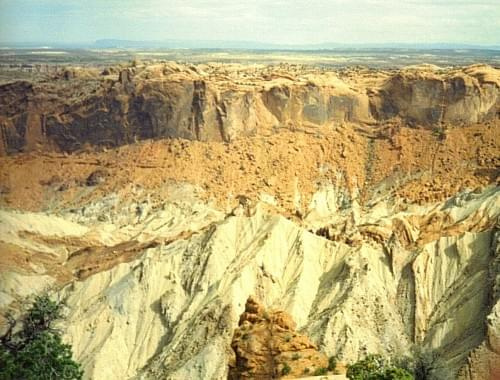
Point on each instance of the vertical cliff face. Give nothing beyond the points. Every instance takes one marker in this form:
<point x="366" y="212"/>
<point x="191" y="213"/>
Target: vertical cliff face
<point x="316" y="103"/>
<point x="14" y="106"/>
<point x="223" y="103"/>
<point x="427" y="98"/>
<point x="483" y="361"/>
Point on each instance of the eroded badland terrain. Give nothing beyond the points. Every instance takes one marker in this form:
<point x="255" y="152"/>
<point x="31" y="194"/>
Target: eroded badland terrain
<point x="360" y="207"/>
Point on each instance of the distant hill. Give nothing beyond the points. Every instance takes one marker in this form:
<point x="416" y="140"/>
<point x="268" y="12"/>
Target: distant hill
<point x="216" y="44"/>
<point x="244" y="45"/>
<point x="183" y="44"/>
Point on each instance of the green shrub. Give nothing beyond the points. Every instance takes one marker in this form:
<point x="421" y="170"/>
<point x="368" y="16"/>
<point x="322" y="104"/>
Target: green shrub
<point x="332" y="363"/>
<point x="295" y="356"/>
<point x="395" y="373"/>
<point x="41" y="315"/>
<point x="8" y="367"/>
<point x="374" y="367"/>
<point x="439" y="133"/>
<point x="424" y="364"/>
<point x="320" y="372"/>
<point x="37" y="351"/>
<point x="286" y="369"/>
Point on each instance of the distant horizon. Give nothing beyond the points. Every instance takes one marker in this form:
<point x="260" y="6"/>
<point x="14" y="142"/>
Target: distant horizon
<point x="117" y="43"/>
<point x="263" y="22"/>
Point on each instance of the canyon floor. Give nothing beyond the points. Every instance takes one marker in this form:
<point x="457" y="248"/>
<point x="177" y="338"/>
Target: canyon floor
<point x="161" y="201"/>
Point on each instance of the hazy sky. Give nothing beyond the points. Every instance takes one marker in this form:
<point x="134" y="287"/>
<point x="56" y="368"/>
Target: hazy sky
<point x="279" y="21"/>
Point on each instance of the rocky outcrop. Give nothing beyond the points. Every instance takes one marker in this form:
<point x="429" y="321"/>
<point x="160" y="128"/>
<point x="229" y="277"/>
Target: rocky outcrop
<point x="266" y="346"/>
<point x="14" y="101"/>
<point x="431" y="97"/>
<point x="321" y="100"/>
<point x="80" y="107"/>
<point x="484" y="361"/>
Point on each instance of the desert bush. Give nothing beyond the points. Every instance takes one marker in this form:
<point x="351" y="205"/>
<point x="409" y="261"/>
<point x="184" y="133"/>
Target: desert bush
<point x="425" y="365"/>
<point x="439" y="133"/>
<point x="374" y="367"/>
<point x="286" y="369"/>
<point x="320" y="372"/>
<point x="332" y="363"/>
<point x="36" y="351"/>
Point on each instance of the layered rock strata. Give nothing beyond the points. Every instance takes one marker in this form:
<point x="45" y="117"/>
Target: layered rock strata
<point x="81" y="107"/>
<point x="153" y="299"/>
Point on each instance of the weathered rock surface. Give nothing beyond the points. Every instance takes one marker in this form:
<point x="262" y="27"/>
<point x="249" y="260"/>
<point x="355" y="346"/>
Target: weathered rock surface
<point x="157" y="245"/>
<point x="484" y="361"/>
<point x="428" y="97"/>
<point x="81" y="107"/>
<point x="266" y="346"/>
<point x="170" y="308"/>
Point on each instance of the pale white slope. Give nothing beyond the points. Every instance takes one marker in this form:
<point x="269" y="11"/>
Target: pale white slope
<point x="171" y="312"/>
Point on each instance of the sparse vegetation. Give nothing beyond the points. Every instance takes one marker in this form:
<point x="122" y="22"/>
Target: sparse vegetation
<point x="332" y="363"/>
<point x="37" y="351"/>
<point x="439" y="133"/>
<point x="320" y="372"/>
<point x="306" y="370"/>
<point x="295" y="356"/>
<point x="424" y="364"/>
<point x="375" y="367"/>
<point x="286" y="369"/>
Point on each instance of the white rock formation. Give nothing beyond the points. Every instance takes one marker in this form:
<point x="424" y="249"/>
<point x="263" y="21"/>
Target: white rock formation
<point x="171" y="310"/>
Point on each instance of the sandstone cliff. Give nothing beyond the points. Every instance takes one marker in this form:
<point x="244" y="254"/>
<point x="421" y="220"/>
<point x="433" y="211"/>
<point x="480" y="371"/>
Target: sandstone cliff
<point x="433" y="97"/>
<point x="121" y="105"/>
